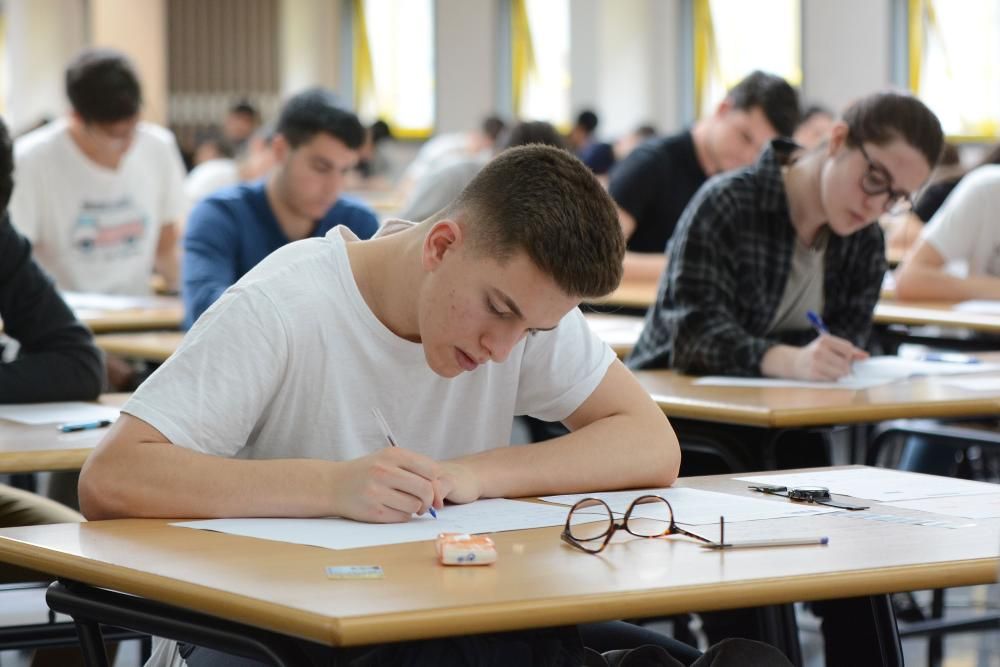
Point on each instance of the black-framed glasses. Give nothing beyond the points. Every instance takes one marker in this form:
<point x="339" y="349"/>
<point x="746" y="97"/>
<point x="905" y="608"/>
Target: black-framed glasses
<point x="878" y="181"/>
<point x="591" y="523"/>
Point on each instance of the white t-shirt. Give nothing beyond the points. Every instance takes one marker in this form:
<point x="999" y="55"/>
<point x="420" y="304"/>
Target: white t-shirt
<point x="965" y="228"/>
<point x="96" y="229"/>
<point x="289" y="362"/>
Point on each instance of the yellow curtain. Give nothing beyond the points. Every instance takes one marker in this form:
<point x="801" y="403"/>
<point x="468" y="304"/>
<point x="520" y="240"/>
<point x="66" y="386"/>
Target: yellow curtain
<point x="522" y="52"/>
<point x="706" y="62"/>
<point x="364" y="77"/>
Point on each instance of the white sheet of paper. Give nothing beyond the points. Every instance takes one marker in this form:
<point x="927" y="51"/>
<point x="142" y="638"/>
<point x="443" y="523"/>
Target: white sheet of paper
<point x="91" y="301"/>
<point x="57" y="413"/>
<point x="975" y="383"/>
<point x="982" y="306"/>
<point x="693" y="507"/>
<point x="483" y="516"/>
<point x="878" y="484"/>
<point x="865" y="374"/>
<point x="849" y="383"/>
<point x="968" y="507"/>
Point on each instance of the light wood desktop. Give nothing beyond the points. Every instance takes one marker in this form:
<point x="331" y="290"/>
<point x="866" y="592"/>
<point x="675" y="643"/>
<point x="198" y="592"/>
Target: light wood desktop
<point x="162" y="312"/>
<point x="38" y="448"/>
<point x="537" y="581"/>
<point x="637" y="295"/>
<point x="148" y="345"/>
<point x="774" y="407"/>
<point x="620" y="332"/>
<point x="934" y="313"/>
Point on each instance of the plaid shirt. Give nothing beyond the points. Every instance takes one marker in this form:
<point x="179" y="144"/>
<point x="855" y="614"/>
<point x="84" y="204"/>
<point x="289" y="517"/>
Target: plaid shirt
<point x="729" y="262"/>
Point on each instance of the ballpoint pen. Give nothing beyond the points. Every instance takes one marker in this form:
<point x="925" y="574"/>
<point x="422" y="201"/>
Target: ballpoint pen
<point x="84" y="426"/>
<point x="817" y="322"/>
<point x="387" y="432"/>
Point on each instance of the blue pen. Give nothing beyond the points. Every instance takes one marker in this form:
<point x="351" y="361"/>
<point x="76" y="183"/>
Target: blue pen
<point x="84" y="426"/>
<point x="951" y="357"/>
<point x="817" y="322"/>
<point x="387" y="432"/>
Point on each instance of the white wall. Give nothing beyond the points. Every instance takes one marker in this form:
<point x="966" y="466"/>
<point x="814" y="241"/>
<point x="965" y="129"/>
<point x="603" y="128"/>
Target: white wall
<point x="42" y="35"/>
<point x="310" y="45"/>
<point x="466" y="58"/>
<point x="846" y="50"/>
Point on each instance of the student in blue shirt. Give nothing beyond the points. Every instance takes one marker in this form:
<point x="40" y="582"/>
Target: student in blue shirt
<point x="315" y="146"/>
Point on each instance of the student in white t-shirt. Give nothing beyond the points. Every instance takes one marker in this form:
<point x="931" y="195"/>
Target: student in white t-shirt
<point x="964" y="230"/>
<point x="98" y="193"/>
<point x="450" y="327"/>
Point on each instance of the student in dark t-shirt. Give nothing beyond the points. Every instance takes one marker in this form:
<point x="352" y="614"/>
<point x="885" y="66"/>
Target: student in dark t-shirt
<point x="653" y="185"/>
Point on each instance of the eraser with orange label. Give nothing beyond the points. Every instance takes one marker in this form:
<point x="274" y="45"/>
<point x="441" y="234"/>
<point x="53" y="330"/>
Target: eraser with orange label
<point x="465" y="549"/>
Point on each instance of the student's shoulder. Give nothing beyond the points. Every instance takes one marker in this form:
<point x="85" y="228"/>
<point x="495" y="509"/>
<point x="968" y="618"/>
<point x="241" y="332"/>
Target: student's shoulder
<point x="41" y="145"/>
<point x="155" y="135"/>
<point x="351" y="211"/>
<point x="234" y="203"/>
<point x="983" y="181"/>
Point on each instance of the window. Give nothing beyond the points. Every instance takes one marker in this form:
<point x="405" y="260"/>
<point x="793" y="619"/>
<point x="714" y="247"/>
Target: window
<point x="394" y="64"/>
<point x="728" y="45"/>
<point x="954" y="53"/>
<point x="540" y="67"/>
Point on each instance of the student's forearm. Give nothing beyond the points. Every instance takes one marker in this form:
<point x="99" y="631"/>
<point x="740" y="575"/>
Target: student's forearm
<point x="167" y="267"/>
<point x="929" y="284"/>
<point x="158" y="479"/>
<point x="57" y="375"/>
<point x="779" y="361"/>
<point x="644" y="266"/>
<point x="618" y="452"/>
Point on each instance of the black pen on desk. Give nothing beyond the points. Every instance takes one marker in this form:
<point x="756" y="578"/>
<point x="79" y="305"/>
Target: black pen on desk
<point x="387" y="432"/>
<point x="84" y="426"/>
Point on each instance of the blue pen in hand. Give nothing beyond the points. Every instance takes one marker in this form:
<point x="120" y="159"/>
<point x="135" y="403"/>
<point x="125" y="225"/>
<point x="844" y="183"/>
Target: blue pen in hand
<point x="817" y="322"/>
<point x="387" y="432"/>
<point x="84" y="426"/>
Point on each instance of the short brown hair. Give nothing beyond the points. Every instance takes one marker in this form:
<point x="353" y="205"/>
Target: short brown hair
<point x="543" y="201"/>
<point x="882" y="117"/>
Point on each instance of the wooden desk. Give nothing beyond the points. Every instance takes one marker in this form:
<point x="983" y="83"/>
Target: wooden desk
<point x="538" y="580"/>
<point x="939" y="314"/>
<point x="774" y="407"/>
<point x="620" y="332"/>
<point x="27" y="448"/>
<point x="148" y="345"/>
<point x="635" y="295"/>
<point x="132" y="314"/>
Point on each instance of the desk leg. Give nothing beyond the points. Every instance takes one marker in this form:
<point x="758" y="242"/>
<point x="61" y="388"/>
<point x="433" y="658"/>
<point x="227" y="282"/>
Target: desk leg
<point x="89" y="607"/>
<point x="91" y="643"/>
<point x="885" y="629"/>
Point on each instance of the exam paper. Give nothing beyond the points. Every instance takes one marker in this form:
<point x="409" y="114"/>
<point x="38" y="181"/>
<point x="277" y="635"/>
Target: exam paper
<point x="968" y="507"/>
<point x="975" y="383"/>
<point x="878" y="484"/>
<point x="57" y="413"/>
<point x="978" y="306"/>
<point x="865" y="374"/>
<point x="694" y="507"/>
<point x="483" y="516"/>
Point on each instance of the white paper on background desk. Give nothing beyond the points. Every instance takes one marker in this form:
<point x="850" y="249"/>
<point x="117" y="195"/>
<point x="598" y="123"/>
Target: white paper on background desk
<point x="693" y="507"/>
<point x="975" y="383"/>
<point x="483" y="516"/>
<point x="91" y="301"/>
<point x="878" y="484"/>
<point x="865" y="374"/>
<point x="982" y="306"/>
<point x="850" y="383"/>
<point x="57" y="413"/>
<point x="968" y="507"/>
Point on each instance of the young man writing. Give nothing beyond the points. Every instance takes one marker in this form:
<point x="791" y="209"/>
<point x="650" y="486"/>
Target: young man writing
<point x="315" y="146"/>
<point x="451" y="327"/>
<point x="656" y="181"/>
